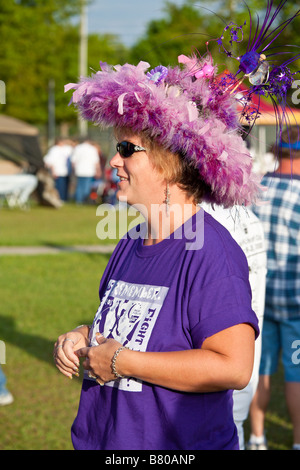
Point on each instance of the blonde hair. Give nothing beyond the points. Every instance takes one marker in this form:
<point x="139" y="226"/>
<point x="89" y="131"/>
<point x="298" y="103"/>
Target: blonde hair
<point x="174" y="167"/>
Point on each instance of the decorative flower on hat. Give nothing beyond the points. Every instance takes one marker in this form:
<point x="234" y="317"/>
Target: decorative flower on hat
<point x="196" y="68"/>
<point x="266" y="78"/>
<point x="158" y="74"/>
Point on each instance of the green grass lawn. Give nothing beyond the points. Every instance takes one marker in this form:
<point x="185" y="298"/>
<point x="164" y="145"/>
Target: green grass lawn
<point x="44" y="296"/>
<point x="70" y="225"/>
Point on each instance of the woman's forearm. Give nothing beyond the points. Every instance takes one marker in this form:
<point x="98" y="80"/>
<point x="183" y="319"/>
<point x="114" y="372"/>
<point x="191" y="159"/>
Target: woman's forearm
<point x="188" y="371"/>
<point x="223" y="363"/>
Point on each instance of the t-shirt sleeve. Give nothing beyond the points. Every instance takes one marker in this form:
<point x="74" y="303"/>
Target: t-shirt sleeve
<point x="221" y="304"/>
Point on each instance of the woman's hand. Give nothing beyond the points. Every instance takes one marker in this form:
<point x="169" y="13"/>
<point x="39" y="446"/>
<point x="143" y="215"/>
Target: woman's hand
<point x="64" y="350"/>
<point x="98" y="359"/>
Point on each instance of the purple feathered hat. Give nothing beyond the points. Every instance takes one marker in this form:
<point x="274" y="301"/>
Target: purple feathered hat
<point x="188" y="109"/>
<point x="182" y="112"/>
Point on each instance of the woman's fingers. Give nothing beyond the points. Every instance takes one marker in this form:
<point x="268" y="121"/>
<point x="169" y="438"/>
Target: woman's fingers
<point x="65" y="359"/>
<point x="100" y="338"/>
<point x="67" y="368"/>
<point x="97" y="358"/>
<point x="82" y="352"/>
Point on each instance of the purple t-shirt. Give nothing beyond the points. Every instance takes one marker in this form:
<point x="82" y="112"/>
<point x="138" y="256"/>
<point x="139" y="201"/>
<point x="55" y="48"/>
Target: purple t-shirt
<point x="165" y="297"/>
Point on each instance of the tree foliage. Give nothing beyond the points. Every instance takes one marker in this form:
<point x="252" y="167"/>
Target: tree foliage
<point x="185" y="29"/>
<point x="34" y="34"/>
<point x="40" y="42"/>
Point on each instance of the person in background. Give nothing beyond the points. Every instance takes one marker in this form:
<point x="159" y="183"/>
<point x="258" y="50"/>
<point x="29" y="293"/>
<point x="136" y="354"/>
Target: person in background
<point x="86" y="165"/>
<point x="280" y="218"/>
<point x="98" y="183"/>
<point x="57" y="161"/>
<point x="6" y="397"/>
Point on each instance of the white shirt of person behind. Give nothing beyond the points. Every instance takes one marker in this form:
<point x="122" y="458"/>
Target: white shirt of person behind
<point x="57" y="159"/>
<point x="85" y="159"/>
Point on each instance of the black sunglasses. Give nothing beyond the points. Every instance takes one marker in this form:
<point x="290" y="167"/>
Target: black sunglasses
<point x="126" y="149"/>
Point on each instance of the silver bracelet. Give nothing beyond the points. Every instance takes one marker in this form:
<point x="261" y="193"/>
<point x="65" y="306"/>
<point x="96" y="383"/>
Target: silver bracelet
<point x="113" y="363"/>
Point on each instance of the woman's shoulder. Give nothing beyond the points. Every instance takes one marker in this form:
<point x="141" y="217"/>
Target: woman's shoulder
<point x="216" y="232"/>
<point x="222" y="248"/>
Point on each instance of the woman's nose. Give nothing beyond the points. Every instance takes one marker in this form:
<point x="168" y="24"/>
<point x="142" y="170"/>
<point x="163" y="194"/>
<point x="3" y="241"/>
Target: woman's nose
<point x="116" y="161"/>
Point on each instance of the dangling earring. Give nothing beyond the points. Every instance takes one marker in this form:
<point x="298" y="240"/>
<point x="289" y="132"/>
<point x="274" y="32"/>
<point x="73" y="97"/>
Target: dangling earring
<point x="167" y="199"/>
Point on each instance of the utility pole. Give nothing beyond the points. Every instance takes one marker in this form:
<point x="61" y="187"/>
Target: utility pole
<point x="83" y="50"/>
<point x="231" y="8"/>
<point x="51" y="112"/>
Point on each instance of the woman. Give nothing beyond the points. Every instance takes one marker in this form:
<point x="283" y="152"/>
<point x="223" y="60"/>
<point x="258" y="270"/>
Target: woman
<point x="174" y="333"/>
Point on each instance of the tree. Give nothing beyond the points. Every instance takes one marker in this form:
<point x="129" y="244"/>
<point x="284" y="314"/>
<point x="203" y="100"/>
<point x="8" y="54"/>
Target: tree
<point x="40" y="43"/>
<point x="187" y="27"/>
<point x="177" y="33"/>
<point x="34" y="34"/>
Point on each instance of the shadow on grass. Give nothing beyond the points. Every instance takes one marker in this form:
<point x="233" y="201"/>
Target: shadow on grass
<point x="37" y="346"/>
